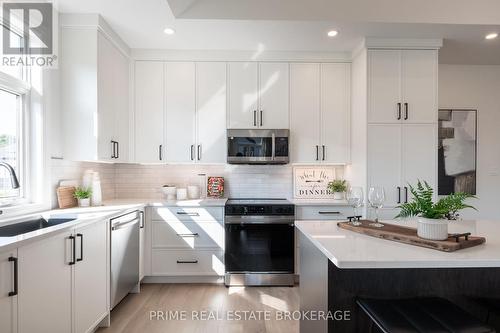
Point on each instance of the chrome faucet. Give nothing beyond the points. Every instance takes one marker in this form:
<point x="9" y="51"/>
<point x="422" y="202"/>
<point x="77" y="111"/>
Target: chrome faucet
<point x="13" y="177"/>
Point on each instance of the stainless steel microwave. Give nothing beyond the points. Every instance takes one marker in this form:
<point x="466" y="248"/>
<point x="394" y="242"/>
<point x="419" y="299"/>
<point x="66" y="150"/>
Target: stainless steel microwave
<point x="257" y="146"/>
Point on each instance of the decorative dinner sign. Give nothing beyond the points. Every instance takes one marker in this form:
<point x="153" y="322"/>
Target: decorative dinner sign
<point x="312" y="182"/>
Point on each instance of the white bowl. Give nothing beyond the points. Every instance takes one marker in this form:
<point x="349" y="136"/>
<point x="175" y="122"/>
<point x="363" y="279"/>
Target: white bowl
<point x="169" y="192"/>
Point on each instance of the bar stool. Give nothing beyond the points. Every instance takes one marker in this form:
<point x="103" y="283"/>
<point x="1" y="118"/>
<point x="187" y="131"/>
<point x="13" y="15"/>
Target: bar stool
<point x="429" y="315"/>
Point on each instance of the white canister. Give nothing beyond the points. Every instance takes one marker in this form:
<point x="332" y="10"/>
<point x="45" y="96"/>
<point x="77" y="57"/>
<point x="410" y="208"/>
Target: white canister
<point x="96" y="190"/>
<point x="181" y="194"/>
<point x="193" y="192"/>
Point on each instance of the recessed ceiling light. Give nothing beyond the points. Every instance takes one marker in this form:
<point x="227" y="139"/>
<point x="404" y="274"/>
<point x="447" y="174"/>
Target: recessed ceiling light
<point x="491" y="36"/>
<point x="169" y="31"/>
<point x="332" y="33"/>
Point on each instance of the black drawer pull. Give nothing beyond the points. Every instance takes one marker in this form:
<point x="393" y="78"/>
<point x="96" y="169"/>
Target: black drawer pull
<point x="16" y="277"/>
<point x="187" y="261"/>
<point x="81" y="247"/>
<point x="188" y="214"/>
<point x="73" y="245"/>
<point x="189" y="235"/>
<point x="329" y="213"/>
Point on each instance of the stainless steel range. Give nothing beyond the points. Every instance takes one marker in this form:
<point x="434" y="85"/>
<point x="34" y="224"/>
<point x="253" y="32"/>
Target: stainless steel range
<point x="259" y="242"/>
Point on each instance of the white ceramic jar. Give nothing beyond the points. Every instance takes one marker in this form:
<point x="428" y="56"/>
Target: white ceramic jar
<point x="181" y="194"/>
<point x="432" y="229"/>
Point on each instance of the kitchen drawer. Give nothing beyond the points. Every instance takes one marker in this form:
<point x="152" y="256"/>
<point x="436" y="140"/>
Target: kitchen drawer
<point x="188" y="214"/>
<point x="170" y="234"/>
<point x="323" y="212"/>
<point x="187" y="262"/>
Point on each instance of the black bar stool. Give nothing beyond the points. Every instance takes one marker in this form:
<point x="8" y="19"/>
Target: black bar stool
<point x="492" y="306"/>
<point x="429" y="315"/>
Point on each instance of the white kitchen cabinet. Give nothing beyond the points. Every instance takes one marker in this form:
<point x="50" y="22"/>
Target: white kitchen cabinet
<point x="402" y="86"/>
<point x="243" y="94"/>
<point x="45" y="285"/>
<point x="180" y="112"/>
<point x="211" y="112"/>
<point x="90" y="289"/>
<point x="273" y="95"/>
<point x="8" y="300"/>
<point x="305" y="112"/>
<point x="320" y="113"/>
<point x="258" y="95"/>
<point x="149" y="111"/>
<point x="94" y="96"/>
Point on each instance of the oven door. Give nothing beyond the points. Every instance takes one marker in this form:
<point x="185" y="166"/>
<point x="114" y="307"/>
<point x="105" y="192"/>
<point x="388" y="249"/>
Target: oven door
<point x="259" y="248"/>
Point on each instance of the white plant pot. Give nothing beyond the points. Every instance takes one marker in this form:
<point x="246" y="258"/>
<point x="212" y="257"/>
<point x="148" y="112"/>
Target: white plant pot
<point x="338" y="195"/>
<point x="432" y="229"/>
<point x="84" y="202"/>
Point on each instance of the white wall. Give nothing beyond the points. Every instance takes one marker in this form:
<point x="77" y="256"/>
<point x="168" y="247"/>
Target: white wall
<point x="478" y="87"/>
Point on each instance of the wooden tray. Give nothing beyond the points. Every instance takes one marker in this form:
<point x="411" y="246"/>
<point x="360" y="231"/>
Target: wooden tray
<point x="409" y="236"/>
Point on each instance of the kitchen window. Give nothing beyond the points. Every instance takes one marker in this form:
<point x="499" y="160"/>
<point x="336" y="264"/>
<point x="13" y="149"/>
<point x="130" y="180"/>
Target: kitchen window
<point x="11" y="146"/>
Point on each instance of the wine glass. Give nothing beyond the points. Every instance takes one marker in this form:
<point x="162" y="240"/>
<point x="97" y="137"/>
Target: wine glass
<point x="376" y="198"/>
<point x="355" y="200"/>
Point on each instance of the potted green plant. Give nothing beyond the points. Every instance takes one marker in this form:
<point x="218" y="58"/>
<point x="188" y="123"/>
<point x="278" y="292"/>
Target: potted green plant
<point x="83" y="195"/>
<point x="433" y="217"/>
<point x="338" y="187"/>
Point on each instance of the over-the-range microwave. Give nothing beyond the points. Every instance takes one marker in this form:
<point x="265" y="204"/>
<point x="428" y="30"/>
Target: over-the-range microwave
<point x="257" y="146"/>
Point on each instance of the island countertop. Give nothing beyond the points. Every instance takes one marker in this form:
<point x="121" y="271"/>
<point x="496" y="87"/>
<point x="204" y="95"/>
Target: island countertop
<point x="348" y="249"/>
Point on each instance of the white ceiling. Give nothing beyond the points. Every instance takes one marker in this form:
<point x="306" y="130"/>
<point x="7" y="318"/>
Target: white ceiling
<point x="232" y="24"/>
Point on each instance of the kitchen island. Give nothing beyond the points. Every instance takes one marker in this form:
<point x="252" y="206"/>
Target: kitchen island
<point x="338" y="265"/>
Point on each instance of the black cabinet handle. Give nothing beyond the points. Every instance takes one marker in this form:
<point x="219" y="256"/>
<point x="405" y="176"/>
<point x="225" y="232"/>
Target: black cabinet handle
<point x="406" y="111"/>
<point x="317" y="153"/>
<point x="192" y="152"/>
<point x="160" y="148"/>
<point x="324" y="152"/>
<point x="328" y="213"/>
<point x="187" y="213"/>
<point x="113" y="149"/>
<point x="187" y="261"/>
<point x="406" y="194"/>
<point x="117" y="149"/>
<point x="399" y="111"/>
<point x="16" y="276"/>
<point x="73" y="245"/>
<point x="199" y="152"/>
<point x="81" y="247"/>
<point x="255" y="117"/>
<point x="189" y="235"/>
<point x="142" y="222"/>
<point x="399" y="194"/>
<point x="261" y="112"/>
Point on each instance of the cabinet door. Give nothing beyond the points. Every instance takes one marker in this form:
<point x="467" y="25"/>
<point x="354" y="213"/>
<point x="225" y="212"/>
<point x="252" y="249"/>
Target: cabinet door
<point x="420" y="154"/>
<point x="384" y="160"/>
<point x="121" y="106"/>
<point x="273" y="95"/>
<point x="180" y="115"/>
<point x="335" y="112"/>
<point x="305" y="112"/>
<point x="105" y="97"/>
<point x="45" y="285"/>
<point x="211" y="112"/>
<point x="91" y="276"/>
<point x="243" y="95"/>
<point x="149" y="110"/>
<point x="384" y="86"/>
<point x="419" y="85"/>
<point x="8" y="304"/>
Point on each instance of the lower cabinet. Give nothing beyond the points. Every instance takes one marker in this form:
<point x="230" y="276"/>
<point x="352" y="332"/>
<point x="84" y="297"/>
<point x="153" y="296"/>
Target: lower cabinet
<point x="63" y="281"/>
<point x="8" y="292"/>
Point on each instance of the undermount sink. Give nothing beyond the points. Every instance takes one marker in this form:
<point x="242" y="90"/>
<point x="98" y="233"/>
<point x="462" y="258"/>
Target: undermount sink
<point x="32" y="225"/>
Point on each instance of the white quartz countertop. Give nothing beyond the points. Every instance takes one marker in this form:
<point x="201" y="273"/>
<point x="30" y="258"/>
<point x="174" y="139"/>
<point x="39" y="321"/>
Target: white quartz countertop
<point x="319" y="202"/>
<point x="169" y="203"/>
<point x="348" y="249"/>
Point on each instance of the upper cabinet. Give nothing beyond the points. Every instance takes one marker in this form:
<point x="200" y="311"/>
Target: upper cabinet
<point x="94" y="96"/>
<point x="402" y="86"/>
<point x="258" y="95"/>
<point x="320" y="113"/>
<point x="180" y="112"/>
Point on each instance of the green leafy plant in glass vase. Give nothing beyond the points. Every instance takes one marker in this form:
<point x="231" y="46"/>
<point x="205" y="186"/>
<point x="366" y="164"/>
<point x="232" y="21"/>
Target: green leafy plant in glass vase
<point x="338" y="187"/>
<point x="433" y="217"/>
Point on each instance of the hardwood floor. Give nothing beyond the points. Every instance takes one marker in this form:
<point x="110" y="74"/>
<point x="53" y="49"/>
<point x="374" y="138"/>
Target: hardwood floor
<point x="134" y="312"/>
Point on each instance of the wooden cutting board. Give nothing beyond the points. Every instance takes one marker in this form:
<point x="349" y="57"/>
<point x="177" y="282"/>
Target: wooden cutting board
<point x="65" y="197"/>
<point x="408" y="235"/>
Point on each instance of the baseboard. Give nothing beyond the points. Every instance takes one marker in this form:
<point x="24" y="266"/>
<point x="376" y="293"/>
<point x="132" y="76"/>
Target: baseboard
<point x="184" y="279"/>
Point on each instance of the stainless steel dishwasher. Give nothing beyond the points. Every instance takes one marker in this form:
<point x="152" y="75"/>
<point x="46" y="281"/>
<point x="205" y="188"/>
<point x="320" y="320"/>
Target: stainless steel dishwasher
<point x="124" y="255"/>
